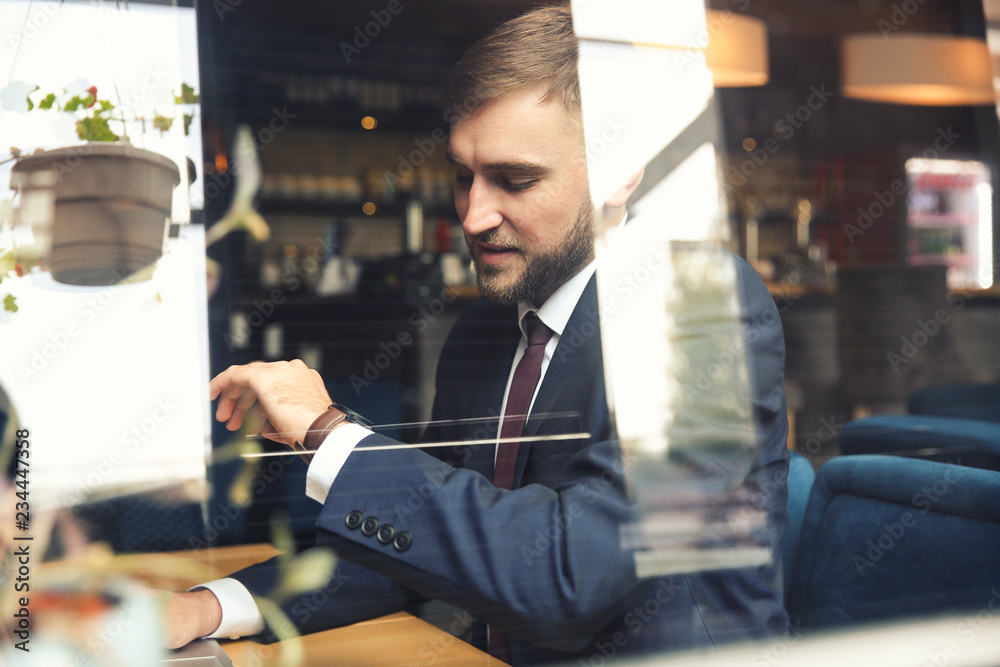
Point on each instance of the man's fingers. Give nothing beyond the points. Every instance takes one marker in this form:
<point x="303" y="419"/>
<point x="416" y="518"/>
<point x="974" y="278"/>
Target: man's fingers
<point x="243" y="404"/>
<point x="230" y="387"/>
<point x="227" y="402"/>
<point x="220" y="382"/>
<point x="287" y="393"/>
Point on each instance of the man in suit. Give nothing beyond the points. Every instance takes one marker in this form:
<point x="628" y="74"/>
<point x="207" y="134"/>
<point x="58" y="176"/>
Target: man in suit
<point x="526" y="534"/>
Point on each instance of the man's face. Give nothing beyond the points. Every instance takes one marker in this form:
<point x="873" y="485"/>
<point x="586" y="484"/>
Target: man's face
<point x="522" y="194"/>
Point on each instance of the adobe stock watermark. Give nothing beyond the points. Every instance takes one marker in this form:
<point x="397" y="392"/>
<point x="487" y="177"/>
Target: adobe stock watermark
<point x="279" y="121"/>
<point x="901" y="13"/>
<point x="431" y="651"/>
<point x="967" y="631"/>
<point x="827" y="431"/>
<point x="923" y="333"/>
<point x="427" y="147"/>
<point x="884" y="200"/>
<point x="593" y="490"/>
<point x="714" y="27"/>
<point x="130" y="440"/>
<point x="786" y="127"/>
<point x="242" y="325"/>
<point x="575" y="337"/>
<point x="419" y="320"/>
<point x="104" y="637"/>
<point x="779" y="648"/>
<point x="223" y="7"/>
<point x="153" y="77"/>
<point x="309" y="604"/>
<point x="553" y="533"/>
<point x="610" y="132"/>
<point x="893" y="533"/>
<point x="381" y="18"/>
<point x="37" y="20"/>
<point x="56" y="342"/>
<point x="636" y="619"/>
<point x="417" y="497"/>
<point x="226" y="513"/>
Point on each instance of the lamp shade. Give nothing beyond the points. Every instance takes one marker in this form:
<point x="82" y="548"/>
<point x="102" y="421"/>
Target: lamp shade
<point x="922" y="69"/>
<point x="737" y="49"/>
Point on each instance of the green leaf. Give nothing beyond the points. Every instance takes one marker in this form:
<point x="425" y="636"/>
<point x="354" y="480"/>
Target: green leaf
<point x="282" y="537"/>
<point x="95" y="129"/>
<point x="105" y="106"/>
<point x="74" y="103"/>
<point x="7" y="261"/>
<point x="10" y="303"/>
<point x="47" y="101"/>
<point x="187" y="123"/>
<point x="187" y="95"/>
<point x="162" y="123"/>
<point x="31" y="105"/>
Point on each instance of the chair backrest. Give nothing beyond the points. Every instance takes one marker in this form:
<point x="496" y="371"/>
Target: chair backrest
<point x="800" y="482"/>
<point x="963" y="401"/>
<point x="891" y="537"/>
<point x="963" y="441"/>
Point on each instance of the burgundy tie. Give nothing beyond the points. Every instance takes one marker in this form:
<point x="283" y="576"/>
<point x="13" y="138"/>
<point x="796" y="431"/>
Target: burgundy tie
<point x="522" y="388"/>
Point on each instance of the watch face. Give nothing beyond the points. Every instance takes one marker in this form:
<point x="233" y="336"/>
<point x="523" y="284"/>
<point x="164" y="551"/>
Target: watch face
<point x="352" y="415"/>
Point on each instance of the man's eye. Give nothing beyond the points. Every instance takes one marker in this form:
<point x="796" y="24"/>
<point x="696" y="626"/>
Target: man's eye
<point x="519" y="186"/>
<point x="463" y="179"/>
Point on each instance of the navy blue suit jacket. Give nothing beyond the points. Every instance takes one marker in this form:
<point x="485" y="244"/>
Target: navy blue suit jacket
<point x="543" y="561"/>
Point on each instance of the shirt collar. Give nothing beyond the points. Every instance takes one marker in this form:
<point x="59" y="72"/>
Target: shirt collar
<point x="556" y="310"/>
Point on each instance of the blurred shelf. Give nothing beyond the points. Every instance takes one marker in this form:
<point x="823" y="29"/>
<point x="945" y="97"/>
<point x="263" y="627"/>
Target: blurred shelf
<point x="338" y="208"/>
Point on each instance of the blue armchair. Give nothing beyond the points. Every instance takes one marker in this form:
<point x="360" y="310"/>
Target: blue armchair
<point x="890" y="537"/>
<point x="800" y="482"/>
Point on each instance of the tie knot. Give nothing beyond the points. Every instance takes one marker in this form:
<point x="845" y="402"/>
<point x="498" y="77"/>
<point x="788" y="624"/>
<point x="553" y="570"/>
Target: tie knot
<point x="537" y="332"/>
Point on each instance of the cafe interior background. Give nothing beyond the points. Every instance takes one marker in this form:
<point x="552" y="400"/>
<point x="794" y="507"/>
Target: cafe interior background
<point x="856" y="157"/>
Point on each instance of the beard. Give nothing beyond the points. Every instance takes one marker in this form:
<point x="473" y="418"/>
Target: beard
<point x="545" y="271"/>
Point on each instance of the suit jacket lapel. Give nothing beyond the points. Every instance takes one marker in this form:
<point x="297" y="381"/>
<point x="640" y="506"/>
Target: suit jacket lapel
<point x="487" y="402"/>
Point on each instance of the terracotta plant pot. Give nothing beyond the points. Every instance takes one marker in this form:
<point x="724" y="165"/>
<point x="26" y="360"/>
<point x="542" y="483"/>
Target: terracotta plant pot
<point x="111" y="209"/>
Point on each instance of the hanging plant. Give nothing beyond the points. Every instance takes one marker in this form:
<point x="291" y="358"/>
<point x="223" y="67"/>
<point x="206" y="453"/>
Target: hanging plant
<point x="93" y="115"/>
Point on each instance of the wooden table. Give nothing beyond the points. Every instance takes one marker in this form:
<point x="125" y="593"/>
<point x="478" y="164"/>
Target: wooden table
<point x="397" y="639"/>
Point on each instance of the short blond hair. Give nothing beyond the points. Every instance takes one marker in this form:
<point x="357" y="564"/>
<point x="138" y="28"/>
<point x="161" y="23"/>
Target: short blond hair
<point x="536" y="49"/>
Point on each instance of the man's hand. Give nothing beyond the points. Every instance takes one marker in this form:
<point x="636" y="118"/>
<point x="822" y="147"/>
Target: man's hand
<point x="188" y="616"/>
<point x="290" y="395"/>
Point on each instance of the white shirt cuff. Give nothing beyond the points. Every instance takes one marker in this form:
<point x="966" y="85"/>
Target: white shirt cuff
<point x="330" y="458"/>
<point x="240" y="616"/>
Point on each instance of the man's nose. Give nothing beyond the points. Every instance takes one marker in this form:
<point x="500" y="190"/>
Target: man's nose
<point x="483" y="212"/>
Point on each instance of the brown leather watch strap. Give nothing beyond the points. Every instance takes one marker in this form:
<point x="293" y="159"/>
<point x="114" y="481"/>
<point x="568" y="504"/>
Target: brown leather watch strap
<point x="317" y="433"/>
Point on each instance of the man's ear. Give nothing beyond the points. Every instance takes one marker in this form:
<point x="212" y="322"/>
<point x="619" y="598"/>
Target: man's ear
<point x="620" y="196"/>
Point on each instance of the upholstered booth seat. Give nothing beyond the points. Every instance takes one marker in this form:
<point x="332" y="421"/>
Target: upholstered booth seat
<point x="800" y="482"/>
<point x="963" y="401"/>
<point x="891" y="537"/>
<point x="964" y="441"/>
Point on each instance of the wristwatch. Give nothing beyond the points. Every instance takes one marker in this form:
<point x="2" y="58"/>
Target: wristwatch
<point x="324" y="424"/>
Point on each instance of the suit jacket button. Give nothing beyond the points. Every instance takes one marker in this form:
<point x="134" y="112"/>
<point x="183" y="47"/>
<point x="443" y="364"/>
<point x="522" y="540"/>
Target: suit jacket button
<point x="386" y="532"/>
<point x="354" y="520"/>
<point x="369" y="526"/>
<point x="403" y="541"/>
